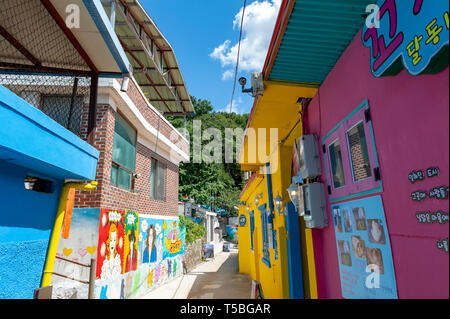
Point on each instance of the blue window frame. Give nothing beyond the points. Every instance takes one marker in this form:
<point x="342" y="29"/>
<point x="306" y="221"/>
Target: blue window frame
<point x="265" y="234"/>
<point x="252" y="226"/>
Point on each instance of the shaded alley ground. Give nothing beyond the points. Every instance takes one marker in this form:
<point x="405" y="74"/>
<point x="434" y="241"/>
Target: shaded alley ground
<point x="217" y="278"/>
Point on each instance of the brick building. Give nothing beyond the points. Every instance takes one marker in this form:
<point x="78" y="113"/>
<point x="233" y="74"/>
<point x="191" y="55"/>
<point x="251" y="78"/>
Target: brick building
<point x="167" y="147"/>
<point x="138" y="163"/>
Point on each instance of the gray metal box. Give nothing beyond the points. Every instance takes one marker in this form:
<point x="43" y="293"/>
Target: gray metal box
<point x="315" y="214"/>
<point x="308" y="156"/>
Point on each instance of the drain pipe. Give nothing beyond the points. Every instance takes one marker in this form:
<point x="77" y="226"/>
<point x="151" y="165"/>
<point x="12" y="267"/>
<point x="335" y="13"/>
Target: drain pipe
<point x="56" y="232"/>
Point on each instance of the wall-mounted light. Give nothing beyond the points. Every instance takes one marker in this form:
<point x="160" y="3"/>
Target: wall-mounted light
<point x="125" y="83"/>
<point x="278" y="201"/>
<point x="294" y="194"/>
<point x="257" y="199"/>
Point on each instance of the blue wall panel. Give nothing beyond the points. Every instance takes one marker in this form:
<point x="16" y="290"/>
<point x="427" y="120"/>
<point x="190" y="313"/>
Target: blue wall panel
<point x="26" y="223"/>
<point x="294" y="253"/>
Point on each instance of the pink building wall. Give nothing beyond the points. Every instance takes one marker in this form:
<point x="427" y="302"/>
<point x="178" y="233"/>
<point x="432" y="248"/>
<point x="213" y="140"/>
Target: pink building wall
<point x="410" y="118"/>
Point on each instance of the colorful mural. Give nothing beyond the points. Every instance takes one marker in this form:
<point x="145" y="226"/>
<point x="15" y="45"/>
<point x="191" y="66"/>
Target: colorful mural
<point x="153" y="253"/>
<point x="232" y="233"/>
<point x="81" y="247"/>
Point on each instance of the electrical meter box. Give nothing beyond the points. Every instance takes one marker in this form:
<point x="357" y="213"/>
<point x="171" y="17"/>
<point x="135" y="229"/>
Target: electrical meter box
<point x="308" y="156"/>
<point x="315" y="214"/>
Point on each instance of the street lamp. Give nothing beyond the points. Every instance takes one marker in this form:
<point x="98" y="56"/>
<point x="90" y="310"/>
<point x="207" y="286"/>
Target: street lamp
<point x="278" y="201"/>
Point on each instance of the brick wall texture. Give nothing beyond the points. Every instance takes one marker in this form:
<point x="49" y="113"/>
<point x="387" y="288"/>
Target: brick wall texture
<point x="361" y="168"/>
<point x="112" y="197"/>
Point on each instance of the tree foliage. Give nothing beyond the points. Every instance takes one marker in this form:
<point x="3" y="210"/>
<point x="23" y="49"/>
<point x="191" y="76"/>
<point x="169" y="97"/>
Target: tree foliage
<point x="202" y="181"/>
<point x="194" y="231"/>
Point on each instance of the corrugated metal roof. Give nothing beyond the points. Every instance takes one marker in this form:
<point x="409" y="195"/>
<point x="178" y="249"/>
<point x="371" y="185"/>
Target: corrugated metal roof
<point x="34" y="38"/>
<point x="155" y="66"/>
<point x="316" y="35"/>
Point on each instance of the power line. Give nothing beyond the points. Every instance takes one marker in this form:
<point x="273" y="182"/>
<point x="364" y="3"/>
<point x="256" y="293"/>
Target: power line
<point x="239" y="50"/>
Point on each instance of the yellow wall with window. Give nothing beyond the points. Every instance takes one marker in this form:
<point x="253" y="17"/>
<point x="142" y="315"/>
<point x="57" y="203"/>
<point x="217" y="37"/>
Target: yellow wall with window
<point x="278" y="108"/>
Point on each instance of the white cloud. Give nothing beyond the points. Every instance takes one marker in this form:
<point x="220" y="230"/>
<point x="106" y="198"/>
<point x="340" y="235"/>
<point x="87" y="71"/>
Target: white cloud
<point x="259" y="22"/>
<point x="237" y="102"/>
<point x="228" y="74"/>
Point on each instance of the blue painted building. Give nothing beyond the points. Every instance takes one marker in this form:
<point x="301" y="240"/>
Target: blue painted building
<point x="38" y="151"/>
<point x="36" y="156"/>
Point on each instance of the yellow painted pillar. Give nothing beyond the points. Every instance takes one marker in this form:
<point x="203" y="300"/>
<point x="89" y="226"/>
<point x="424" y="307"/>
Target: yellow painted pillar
<point x="56" y="232"/>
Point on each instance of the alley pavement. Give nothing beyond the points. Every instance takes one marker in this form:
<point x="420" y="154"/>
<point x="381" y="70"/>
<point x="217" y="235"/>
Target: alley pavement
<point x="211" y="279"/>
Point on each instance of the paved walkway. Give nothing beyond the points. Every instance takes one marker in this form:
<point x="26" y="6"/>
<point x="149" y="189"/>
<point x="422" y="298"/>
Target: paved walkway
<point x="212" y="279"/>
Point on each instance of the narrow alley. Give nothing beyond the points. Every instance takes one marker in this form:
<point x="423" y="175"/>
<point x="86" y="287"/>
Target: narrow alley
<point x="212" y="279"/>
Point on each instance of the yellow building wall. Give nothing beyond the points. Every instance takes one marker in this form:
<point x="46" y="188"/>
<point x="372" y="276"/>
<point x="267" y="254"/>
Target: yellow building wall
<point x="275" y="280"/>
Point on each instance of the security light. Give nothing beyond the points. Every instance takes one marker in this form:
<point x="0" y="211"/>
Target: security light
<point x="242" y="81"/>
<point x="125" y="82"/>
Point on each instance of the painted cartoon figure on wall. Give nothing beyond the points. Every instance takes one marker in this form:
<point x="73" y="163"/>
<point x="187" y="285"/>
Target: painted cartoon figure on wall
<point x="150" y="252"/>
<point x="110" y="243"/>
<point x="172" y="240"/>
<point x="111" y="266"/>
<point x="131" y="242"/>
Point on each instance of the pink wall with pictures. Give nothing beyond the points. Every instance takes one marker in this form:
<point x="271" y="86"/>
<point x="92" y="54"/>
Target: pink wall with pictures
<point x="410" y="118"/>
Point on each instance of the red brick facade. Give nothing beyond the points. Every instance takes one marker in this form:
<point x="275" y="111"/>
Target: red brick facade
<point x="138" y="200"/>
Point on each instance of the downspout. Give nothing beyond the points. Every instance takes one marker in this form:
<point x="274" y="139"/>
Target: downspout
<point x="56" y="232"/>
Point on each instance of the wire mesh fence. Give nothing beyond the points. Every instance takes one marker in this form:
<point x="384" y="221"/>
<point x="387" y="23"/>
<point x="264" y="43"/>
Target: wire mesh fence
<point x="62" y="98"/>
<point x="31" y="38"/>
<point x="41" y="64"/>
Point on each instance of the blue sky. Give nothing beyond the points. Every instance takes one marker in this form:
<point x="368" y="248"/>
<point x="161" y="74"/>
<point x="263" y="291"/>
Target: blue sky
<point x="204" y="35"/>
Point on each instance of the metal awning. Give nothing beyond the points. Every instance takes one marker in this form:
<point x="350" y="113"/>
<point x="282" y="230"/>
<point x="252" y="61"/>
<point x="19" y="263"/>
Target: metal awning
<point x="155" y="66"/>
<point x="34" y="37"/>
<point x="311" y="37"/>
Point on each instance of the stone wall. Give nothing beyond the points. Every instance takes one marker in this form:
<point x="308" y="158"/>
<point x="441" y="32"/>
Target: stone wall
<point x="193" y="254"/>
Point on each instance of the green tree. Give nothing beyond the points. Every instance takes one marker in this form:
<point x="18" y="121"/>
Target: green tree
<point x="194" y="231"/>
<point x="201" y="181"/>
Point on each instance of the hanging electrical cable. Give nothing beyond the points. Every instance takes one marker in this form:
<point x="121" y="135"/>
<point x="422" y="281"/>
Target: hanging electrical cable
<point x="238" y="53"/>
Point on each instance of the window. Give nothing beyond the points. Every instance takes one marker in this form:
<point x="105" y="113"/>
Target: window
<point x="350" y="157"/>
<point x="359" y="155"/>
<point x="158" y="180"/>
<point x="265" y="234"/>
<point x="337" y="170"/>
<point x="124" y="154"/>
